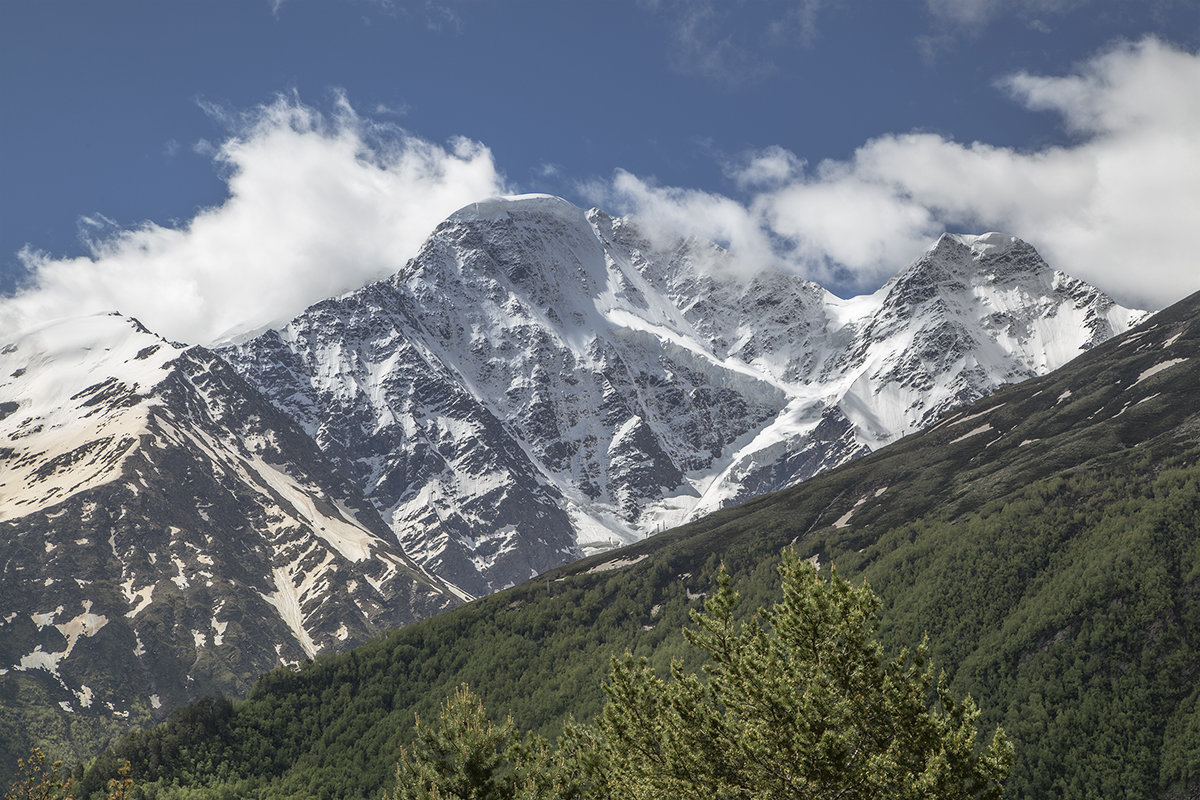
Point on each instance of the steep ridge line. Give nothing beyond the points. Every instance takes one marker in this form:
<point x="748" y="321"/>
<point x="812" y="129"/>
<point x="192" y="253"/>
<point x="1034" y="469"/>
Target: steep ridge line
<point x="542" y="382"/>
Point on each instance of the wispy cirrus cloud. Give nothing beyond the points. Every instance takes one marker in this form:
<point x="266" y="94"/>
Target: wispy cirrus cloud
<point x="977" y="13"/>
<point x="733" y="41"/>
<point x="950" y="22"/>
<point x="435" y="15"/>
<point x="318" y="203"/>
<point x="1118" y="206"/>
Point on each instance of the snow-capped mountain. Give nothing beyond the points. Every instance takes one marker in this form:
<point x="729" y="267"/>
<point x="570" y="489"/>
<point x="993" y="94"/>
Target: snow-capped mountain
<point x="166" y="533"/>
<point x="538" y="383"/>
<point x="541" y="382"/>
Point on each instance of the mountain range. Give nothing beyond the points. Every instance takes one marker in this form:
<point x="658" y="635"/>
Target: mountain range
<point x="539" y="384"/>
<point x="1041" y="541"/>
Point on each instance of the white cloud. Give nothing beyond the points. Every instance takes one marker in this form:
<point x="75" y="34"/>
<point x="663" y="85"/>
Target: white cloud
<point x="770" y="166"/>
<point x="440" y="16"/>
<point x="1144" y="86"/>
<point x="318" y="204"/>
<point x="1118" y="206"/>
<point x="667" y="213"/>
<point x="322" y="203"/>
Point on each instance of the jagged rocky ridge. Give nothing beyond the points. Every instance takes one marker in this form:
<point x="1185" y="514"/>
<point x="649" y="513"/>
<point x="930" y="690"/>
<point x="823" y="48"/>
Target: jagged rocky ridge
<point x="166" y="533"/>
<point x="541" y="382"/>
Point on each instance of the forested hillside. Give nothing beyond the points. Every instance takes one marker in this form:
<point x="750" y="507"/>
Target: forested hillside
<point x="1043" y="538"/>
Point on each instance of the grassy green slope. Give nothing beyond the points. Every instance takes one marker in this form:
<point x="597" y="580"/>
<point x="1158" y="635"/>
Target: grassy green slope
<point x="1044" y="539"/>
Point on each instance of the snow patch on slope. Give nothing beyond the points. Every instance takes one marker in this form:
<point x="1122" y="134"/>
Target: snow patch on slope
<point x="1157" y="368"/>
<point x="286" y="600"/>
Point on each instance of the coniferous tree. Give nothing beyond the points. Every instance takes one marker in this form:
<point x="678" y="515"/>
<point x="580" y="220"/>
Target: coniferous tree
<point x="800" y="704"/>
<point x="467" y="757"/>
<point x="36" y="781"/>
<point x="463" y="756"/>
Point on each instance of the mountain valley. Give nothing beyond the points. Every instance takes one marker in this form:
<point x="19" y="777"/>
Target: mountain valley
<point x="538" y="385"/>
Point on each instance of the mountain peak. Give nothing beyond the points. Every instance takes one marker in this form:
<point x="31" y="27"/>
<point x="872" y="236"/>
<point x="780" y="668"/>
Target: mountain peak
<point x="516" y="205"/>
<point x="980" y="245"/>
<point x="542" y="380"/>
<point x="986" y="244"/>
<point x="964" y="259"/>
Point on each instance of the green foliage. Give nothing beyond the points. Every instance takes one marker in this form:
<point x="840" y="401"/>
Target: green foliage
<point x="120" y="787"/>
<point x="165" y="749"/>
<point x="466" y="757"/>
<point x="35" y="781"/>
<point x="1068" y="611"/>
<point x="29" y="707"/>
<point x="799" y="705"/>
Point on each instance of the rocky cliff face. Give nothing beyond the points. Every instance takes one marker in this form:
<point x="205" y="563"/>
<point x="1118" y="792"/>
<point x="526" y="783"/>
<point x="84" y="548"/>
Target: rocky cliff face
<point x="540" y="381"/>
<point x="166" y="533"/>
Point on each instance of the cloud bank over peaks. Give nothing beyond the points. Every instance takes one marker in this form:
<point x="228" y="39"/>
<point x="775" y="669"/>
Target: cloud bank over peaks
<point x="318" y="204"/>
<point x="1116" y="205"/>
<point x="322" y="202"/>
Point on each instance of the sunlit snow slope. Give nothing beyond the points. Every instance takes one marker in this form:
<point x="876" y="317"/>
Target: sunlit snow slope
<point x="541" y="382"/>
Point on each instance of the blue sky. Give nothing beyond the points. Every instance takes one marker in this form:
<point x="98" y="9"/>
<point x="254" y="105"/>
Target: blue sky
<point x="143" y="145"/>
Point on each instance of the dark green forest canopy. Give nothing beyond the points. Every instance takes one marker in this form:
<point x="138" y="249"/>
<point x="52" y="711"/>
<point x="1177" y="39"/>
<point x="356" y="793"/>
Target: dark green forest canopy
<point x="797" y="702"/>
<point x="1044" y="538"/>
